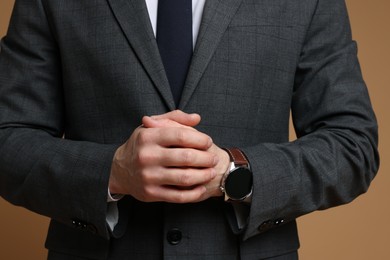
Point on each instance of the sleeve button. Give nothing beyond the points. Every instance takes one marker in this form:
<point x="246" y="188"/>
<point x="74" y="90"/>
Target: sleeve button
<point x="265" y="226"/>
<point x="279" y="222"/>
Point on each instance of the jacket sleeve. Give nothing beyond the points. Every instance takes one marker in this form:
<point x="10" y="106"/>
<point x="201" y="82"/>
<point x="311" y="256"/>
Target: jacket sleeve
<point x="335" y="156"/>
<point x="39" y="169"/>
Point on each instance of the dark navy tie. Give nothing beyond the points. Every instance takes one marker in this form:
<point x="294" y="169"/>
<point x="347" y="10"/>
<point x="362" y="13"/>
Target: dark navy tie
<point x="174" y="39"/>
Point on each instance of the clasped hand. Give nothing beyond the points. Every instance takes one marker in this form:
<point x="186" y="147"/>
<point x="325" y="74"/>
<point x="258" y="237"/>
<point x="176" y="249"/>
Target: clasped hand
<point x="167" y="159"/>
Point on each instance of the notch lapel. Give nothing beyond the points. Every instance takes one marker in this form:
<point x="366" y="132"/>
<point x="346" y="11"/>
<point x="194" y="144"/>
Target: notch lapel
<point x="133" y="17"/>
<point x="216" y="17"/>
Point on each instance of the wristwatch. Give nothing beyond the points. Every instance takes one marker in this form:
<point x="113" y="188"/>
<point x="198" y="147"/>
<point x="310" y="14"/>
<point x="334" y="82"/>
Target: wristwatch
<point x="237" y="182"/>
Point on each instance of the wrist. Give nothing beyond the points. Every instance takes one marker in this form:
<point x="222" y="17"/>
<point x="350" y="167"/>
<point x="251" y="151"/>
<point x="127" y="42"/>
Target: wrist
<point x="113" y="191"/>
<point x="221" y="171"/>
<point x="113" y="183"/>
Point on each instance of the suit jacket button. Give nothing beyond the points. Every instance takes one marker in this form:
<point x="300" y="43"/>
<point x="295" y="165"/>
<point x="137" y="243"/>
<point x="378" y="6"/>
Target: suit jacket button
<point x="174" y="236"/>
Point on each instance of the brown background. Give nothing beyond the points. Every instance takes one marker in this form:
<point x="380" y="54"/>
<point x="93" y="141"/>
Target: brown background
<point x="359" y="231"/>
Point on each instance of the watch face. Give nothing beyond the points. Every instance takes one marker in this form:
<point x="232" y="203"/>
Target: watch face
<point x="238" y="184"/>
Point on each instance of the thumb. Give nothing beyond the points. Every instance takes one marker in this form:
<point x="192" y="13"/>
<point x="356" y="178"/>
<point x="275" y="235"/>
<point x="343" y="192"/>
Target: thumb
<point x="180" y="117"/>
<point x="151" y="122"/>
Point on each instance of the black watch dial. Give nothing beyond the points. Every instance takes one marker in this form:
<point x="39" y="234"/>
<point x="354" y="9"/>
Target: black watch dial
<point x="239" y="183"/>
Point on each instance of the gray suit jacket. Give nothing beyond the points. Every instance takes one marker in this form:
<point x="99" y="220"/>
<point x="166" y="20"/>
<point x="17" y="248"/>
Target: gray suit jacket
<point x="76" y="77"/>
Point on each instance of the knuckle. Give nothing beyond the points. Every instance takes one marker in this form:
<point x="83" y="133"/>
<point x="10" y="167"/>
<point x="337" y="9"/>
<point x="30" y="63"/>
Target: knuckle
<point x="181" y="136"/>
<point x="142" y="196"/>
<point x="148" y="192"/>
<point x="185" y="179"/>
<point x="181" y="198"/>
<point x="143" y="137"/>
<point x="187" y="156"/>
<point x="199" y="196"/>
<point x="145" y="157"/>
<point x="176" y="112"/>
<point x="146" y="177"/>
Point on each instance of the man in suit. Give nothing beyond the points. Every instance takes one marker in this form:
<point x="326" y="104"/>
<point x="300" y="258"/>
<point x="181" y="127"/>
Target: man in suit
<point x="87" y="104"/>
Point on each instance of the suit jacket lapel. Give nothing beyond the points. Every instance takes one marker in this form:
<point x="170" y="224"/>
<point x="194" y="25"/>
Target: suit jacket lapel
<point x="216" y="17"/>
<point x="133" y="18"/>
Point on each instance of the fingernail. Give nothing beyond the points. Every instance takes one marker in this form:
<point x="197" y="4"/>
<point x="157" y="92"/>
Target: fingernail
<point x="210" y="143"/>
<point x="216" y="160"/>
<point x="213" y="173"/>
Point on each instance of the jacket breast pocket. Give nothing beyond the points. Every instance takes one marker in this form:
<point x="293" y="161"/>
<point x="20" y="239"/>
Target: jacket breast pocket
<point x="266" y="46"/>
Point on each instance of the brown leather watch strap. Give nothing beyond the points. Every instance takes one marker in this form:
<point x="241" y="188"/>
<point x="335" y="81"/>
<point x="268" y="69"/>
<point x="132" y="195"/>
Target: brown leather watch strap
<point x="237" y="156"/>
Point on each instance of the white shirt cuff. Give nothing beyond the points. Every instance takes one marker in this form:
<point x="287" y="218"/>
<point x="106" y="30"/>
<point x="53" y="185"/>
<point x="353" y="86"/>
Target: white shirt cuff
<point x="112" y="217"/>
<point x="113" y="197"/>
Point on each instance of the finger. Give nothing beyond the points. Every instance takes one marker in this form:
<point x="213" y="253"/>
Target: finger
<point x="180" y="117"/>
<point x="184" y="157"/>
<point x="151" y="122"/>
<point x="188" y="177"/>
<point x="175" y="195"/>
<point x="175" y="137"/>
<point x="183" y="137"/>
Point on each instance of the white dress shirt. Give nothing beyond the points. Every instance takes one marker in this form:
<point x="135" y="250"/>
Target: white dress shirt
<point x="197" y="11"/>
